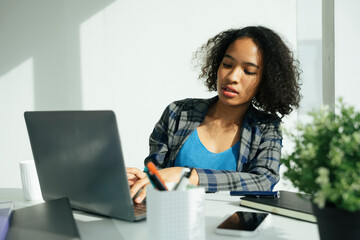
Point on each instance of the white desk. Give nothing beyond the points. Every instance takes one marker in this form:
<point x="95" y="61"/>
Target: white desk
<point x="217" y="207"/>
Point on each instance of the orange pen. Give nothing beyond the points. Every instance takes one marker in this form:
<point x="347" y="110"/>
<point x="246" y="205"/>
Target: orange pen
<point x="160" y="184"/>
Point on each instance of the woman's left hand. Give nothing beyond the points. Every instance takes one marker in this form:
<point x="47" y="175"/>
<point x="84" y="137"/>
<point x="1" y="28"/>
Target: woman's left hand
<point x="138" y="179"/>
<point x="172" y="174"/>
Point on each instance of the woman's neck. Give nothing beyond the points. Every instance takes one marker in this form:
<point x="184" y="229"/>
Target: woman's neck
<point x="228" y="114"/>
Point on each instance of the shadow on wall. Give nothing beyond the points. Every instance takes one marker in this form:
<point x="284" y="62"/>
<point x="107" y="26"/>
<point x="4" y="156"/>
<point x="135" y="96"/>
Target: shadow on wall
<point x="48" y="32"/>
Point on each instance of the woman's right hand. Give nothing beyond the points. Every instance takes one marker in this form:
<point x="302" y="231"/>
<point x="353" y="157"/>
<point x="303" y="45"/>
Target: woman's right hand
<point x="137" y="181"/>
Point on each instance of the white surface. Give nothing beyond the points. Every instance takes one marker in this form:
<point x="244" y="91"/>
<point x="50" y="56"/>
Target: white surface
<point x="133" y="57"/>
<point x="218" y="207"/>
<point x="347" y="50"/>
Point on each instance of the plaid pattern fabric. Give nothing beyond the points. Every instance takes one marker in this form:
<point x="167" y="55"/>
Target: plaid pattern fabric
<point x="260" y="146"/>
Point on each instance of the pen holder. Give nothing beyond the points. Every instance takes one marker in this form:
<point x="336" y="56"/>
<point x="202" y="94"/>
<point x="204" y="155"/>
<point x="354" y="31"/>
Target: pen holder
<point x="175" y="215"/>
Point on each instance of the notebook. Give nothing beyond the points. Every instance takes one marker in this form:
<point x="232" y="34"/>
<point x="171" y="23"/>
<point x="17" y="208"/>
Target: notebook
<point x="78" y="155"/>
<point x="50" y="220"/>
<point x="290" y="204"/>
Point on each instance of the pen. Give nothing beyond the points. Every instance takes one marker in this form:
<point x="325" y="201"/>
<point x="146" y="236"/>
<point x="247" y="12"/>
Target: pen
<point x="273" y="194"/>
<point x="184" y="179"/>
<point x="156" y="182"/>
<point x="155" y="177"/>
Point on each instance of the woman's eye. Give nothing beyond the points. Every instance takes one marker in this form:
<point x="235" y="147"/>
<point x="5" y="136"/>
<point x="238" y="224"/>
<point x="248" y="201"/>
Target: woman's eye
<point x="227" y="65"/>
<point x="249" y="73"/>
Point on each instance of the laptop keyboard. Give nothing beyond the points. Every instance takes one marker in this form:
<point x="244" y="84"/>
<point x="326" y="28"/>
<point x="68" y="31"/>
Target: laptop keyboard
<point x="140" y="208"/>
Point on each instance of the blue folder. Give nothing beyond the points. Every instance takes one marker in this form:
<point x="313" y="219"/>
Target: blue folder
<point x="5" y="215"/>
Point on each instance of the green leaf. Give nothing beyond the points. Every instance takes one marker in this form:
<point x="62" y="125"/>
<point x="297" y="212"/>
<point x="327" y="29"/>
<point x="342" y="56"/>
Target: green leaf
<point x="326" y="157"/>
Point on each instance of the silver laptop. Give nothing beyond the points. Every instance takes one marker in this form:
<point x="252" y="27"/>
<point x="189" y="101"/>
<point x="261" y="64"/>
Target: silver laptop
<point x="78" y="155"/>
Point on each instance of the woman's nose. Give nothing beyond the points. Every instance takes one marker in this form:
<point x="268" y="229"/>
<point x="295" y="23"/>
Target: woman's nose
<point x="235" y="75"/>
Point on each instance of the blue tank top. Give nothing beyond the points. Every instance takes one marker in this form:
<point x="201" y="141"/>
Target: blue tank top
<point x="194" y="154"/>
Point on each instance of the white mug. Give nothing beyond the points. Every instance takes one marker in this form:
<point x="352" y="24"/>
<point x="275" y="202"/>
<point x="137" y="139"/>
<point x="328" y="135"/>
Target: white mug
<point x="30" y="181"/>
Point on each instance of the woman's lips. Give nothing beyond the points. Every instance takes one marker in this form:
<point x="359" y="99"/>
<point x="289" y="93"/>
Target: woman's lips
<point x="229" y="91"/>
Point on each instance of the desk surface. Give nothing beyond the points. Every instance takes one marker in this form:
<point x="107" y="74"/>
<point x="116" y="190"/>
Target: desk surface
<point x="218" y="206"/>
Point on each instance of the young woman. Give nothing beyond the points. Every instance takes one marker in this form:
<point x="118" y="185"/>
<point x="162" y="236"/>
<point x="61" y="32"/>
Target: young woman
<point x="232" y="141"/>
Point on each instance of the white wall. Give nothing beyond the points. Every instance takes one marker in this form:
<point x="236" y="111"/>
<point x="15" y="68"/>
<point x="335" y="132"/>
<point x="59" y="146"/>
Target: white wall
<point x="309" y="56"/>
<point x="133" y="57"/>
<point x="347" y="51"/>
<point x="309" y="41"/>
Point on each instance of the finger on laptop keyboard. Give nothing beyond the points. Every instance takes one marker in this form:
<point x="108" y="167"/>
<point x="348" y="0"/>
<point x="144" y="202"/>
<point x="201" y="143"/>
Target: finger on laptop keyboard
<point x="140" y="196"/>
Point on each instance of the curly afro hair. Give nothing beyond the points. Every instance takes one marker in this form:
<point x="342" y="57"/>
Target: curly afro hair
<point x="279" y="90"/>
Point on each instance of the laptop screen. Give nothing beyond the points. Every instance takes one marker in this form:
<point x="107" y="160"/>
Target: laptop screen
<point x="78" y="155"/>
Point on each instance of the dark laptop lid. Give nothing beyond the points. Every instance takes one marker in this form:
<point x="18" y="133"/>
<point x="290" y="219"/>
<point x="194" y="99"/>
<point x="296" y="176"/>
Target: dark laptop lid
<point x="50" y="220"/>
<point x="78" y="155"/>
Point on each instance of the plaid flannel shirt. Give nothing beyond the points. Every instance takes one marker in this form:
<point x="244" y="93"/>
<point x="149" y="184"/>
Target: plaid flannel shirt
<point x="260" y="146"/>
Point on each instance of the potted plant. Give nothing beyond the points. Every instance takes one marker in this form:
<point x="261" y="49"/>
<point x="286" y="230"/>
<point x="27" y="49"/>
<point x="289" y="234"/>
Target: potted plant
<point x="325" y="163"/>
